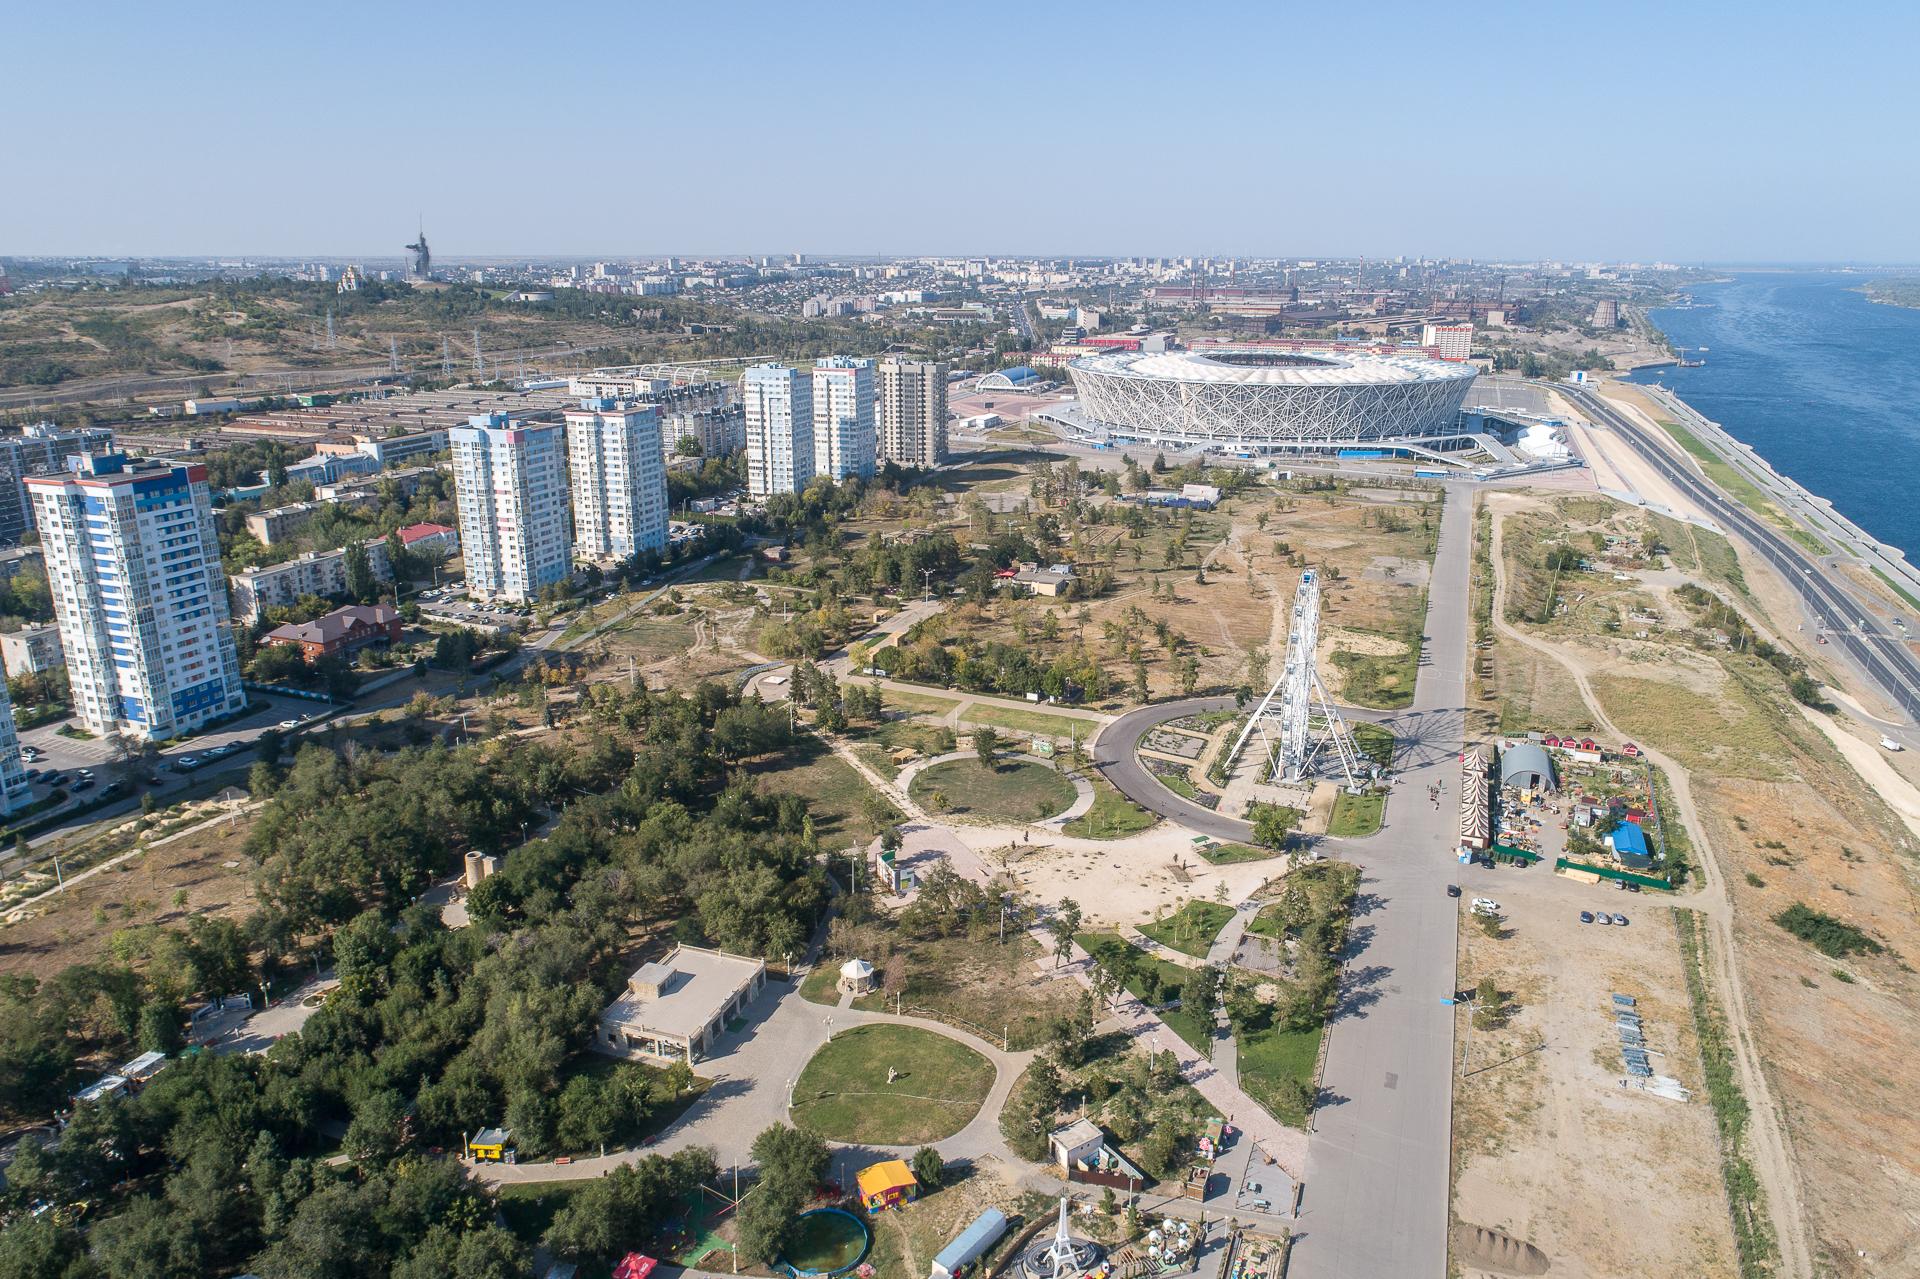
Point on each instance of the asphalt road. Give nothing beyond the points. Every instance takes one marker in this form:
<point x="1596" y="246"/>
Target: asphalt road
<point x="1376" y="1204"/>
<point x="1885" y="659"/>
<point x="1114" y="756"/>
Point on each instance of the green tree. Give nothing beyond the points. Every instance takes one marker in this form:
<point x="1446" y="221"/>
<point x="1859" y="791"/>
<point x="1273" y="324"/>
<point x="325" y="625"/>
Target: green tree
<point x="1273" y="824"/>
<point x="1062" y="925"/>
<point x="928" y="1168"/>
<point x="361" y="583"/>
<point x="985" y="743"/>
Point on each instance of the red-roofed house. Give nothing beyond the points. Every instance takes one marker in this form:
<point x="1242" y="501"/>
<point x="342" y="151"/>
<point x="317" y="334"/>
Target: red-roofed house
<point x="430" y="537"/>
<point x="345" y="630"/>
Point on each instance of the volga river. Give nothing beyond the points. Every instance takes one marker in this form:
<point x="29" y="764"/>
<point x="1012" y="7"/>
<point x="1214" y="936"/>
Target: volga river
<point x="1821" y="382"/>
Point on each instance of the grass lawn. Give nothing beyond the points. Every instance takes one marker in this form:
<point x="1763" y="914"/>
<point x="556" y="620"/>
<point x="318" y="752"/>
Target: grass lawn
<point x="1116" y="953"/>
<point x="1269" y="1056"/>
<point x="819" y="984"/>
<point x="836" y="795"/>
<point x="919" y="703"/>
<point x="982" y="986"/>
<point x="1381" y="682"/>
<point x="843" y="1094"/>
<point x="1896" y="588"/>
<point x="1113" y="815"/>
<point x="530" y="1207"/>
<point x="1018" y="791"/>
<point x="1375" y="742"/>
<point x="1356" y="815"/>
<point x="1178" y="785"/>
<point x="1228" y="854"/>
<point x="1036" y="722"/>
<point x="1191" y="929"/>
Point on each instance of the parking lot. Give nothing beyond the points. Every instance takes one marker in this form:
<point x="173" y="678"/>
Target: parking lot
<point x="72" y="758"/>
<point x="449" y="604"/>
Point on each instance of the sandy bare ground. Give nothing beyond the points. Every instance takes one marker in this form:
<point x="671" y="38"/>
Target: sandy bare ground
<point x="1771" y="1153"/>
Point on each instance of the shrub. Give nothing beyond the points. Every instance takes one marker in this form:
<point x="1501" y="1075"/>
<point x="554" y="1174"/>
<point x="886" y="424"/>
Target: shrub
<point x="1834" y="938"/>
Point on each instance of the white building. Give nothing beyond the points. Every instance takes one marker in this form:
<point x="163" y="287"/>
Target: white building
<point x="779" y="405"/>
<point x="322" y="573"/>
<point x="133" y="562"/>
<point x="619" y="478"/>
<point x="15" y="790"/>
<point x="31" y="649"/>
<point x="510" y="483"/>
<point x="843" y="426"/>
<point x="912" y="398"/>
<point x="1449" y="341"/>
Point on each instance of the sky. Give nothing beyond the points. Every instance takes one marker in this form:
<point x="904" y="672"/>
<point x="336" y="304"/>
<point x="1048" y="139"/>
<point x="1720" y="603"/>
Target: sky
<point x="1754" y="132"/>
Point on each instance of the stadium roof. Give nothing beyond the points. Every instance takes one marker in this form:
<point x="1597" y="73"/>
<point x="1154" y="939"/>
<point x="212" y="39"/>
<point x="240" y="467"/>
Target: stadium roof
<point x="1318" y="368"/>
<point x="1010" y="378"/>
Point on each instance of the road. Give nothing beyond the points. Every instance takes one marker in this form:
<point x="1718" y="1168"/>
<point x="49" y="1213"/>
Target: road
<point x="1883" y="659"/>
<point x="1378" y="1161"/>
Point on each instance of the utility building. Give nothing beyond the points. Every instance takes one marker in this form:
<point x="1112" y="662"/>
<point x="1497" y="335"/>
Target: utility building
<point x="133" y="562"/>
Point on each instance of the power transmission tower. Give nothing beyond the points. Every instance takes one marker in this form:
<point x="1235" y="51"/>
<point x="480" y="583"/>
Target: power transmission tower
<point x="446" y="356"/>
<point x="393" y="355"/>
<point x="1297" y="699"/>
<point x="330" y="342"/>
<point x="479" y="361"/>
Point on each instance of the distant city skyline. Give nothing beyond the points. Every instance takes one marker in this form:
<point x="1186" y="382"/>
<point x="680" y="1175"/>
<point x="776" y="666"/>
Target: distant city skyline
<point x="1708" y="134"/>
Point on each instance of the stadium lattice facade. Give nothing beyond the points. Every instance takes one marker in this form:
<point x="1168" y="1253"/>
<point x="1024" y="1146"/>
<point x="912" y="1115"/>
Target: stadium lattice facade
<point x="1256" y="399"/>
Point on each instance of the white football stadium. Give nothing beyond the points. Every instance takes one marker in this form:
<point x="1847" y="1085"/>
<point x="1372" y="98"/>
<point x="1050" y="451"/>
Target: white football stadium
<point x="1258" y="399"/>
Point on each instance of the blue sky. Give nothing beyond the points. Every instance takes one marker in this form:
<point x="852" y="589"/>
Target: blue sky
<point x="1752" y="132"/>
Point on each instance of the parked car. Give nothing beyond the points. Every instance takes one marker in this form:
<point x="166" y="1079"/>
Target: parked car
<point x="188" y="761"/>
<point x="1586" y="917"/>
<point x="85" y="772"/>
<point x="1453" y="890"/>
<point x="1604" y="918"/>
<point x="289" y="724"/>
<point x="1621" y="920"/>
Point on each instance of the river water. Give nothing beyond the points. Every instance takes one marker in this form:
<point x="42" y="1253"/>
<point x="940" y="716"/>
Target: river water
<point x="1821" y="382"/>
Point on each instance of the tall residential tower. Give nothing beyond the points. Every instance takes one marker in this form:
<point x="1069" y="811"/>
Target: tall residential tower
<point x="619" y="480"/>
<point x="510" y="482"/>
<point x="133" y="562"/>
<point x="913" y="412"/>
<point x="843" y="429"/>
<point x="779" y="404"/>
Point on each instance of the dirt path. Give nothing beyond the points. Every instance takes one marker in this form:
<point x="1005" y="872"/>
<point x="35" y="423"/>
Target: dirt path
<point x="1771" y="1151"/>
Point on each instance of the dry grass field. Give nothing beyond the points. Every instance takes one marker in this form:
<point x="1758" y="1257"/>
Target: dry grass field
<point x="1789" y="821"/>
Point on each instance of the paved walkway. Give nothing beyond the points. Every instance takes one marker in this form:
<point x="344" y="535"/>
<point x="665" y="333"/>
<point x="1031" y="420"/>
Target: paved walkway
<point x="753" y="1073"/>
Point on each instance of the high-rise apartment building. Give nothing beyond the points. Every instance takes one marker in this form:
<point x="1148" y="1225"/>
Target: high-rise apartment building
<point x="1448" y="341"/>
<point x="619" y="479"/>
<point x="843" y="427"/>
<point x="779" y="405"/>
<point x="913" y="412"/>
<point x="41" y="449"/>
<point x="15" y="790"/>
<point x="510" y="483"/>
<point x="133" y="562"/>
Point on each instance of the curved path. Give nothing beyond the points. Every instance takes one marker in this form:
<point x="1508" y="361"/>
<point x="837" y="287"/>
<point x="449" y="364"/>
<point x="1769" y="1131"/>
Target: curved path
<point x="1082" y="788"/>
<point x="753" y="1076"/>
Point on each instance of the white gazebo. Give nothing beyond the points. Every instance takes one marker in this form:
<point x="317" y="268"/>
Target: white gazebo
<point x="856" y="977"/>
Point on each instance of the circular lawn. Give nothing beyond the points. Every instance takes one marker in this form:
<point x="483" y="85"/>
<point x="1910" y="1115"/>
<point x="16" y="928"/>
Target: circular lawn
<point x="1011" y="791"/>
<point x="938" y="1085"/>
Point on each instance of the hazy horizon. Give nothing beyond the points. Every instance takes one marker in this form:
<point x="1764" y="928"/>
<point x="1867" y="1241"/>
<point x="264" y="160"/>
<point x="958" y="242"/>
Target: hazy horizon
<point x="591" y="130"/>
